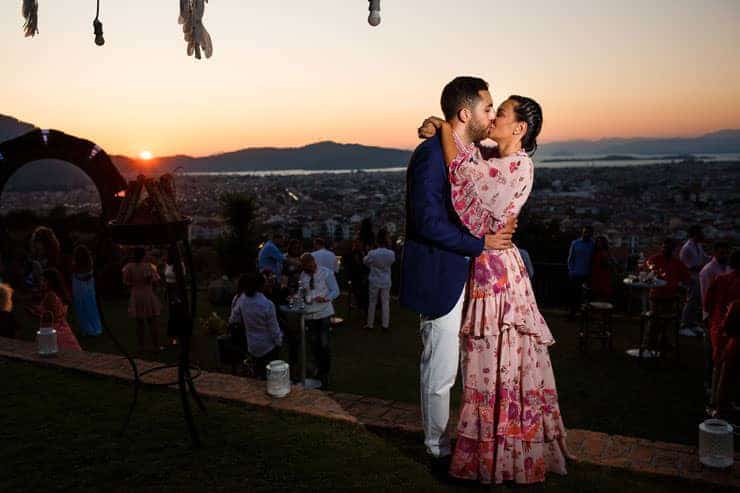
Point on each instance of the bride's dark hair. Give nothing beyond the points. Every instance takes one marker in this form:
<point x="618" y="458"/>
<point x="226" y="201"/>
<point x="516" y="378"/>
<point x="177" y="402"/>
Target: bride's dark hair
<point x="528" y="110"/>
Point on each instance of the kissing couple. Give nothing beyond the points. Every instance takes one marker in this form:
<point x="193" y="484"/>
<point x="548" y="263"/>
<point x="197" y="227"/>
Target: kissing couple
<point x="463" y="275"/>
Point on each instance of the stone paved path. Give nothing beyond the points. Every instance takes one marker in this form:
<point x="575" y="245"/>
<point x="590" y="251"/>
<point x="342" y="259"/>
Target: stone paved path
<point x="601" y="449"/>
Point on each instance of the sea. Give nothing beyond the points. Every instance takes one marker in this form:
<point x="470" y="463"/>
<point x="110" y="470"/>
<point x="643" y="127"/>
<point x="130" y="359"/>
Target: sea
<point x="541" y="162"/>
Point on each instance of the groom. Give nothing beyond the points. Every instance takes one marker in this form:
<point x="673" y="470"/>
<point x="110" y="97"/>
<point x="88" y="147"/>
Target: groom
<point x="437" y="254"/>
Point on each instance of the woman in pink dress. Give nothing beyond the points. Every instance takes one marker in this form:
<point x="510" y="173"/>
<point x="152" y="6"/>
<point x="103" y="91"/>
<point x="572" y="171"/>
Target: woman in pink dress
<point x="143" y="306"/>
<point x="510" y="428"/>
<point x="55" y="301"/>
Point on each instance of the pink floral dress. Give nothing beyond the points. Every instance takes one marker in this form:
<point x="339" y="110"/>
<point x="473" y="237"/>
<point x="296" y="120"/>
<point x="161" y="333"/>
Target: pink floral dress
<point x="510" y="428"/>
<point x="52" y="304"/>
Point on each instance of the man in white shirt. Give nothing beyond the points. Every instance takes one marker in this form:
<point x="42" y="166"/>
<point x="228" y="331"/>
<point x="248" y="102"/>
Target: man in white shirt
<point x="324" y="257"/>
<point x="379" y="260"/>
<point x="693" y="257"/>
<point x="319" y="287"/>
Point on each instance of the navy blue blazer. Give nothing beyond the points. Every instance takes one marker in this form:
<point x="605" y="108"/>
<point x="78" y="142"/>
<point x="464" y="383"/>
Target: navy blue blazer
<point x="435" y="261"/>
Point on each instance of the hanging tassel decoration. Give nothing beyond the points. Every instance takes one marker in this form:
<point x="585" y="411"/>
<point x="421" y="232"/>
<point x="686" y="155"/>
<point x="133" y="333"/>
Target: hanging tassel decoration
<point x="196" y="36"/>
<point x="31" y="14"/>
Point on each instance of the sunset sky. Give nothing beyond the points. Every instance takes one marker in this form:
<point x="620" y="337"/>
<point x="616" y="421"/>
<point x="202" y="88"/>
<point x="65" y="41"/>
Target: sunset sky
<point x="291" y="72"/>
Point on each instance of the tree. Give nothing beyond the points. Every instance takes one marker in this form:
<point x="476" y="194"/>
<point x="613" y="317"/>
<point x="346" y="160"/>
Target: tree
<point x="237" y="249"/>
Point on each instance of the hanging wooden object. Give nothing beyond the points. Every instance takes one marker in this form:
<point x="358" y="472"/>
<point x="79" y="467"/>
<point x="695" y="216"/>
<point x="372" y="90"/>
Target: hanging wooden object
<point x="30" y="12"/>
<point x="149" y="214"/>
<point x="196" y="35"/>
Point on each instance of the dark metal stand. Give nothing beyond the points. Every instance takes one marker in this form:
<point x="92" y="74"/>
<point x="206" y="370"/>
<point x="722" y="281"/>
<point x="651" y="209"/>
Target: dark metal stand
<point x="169" y="234"/>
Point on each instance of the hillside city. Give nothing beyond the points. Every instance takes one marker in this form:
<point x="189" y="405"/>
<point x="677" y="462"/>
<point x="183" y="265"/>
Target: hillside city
<point x="634" y="206"/>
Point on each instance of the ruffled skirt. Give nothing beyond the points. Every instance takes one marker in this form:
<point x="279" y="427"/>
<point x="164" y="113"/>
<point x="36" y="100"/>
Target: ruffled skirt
<point x="510" y="427"/>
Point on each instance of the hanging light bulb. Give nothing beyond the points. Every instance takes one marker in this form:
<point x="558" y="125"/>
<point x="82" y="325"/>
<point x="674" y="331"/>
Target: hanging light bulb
<point x="374" y="18"/>
<point x="98" y="28"/>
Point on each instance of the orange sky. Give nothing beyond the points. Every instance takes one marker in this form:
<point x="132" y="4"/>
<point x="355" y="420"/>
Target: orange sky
<point x="298" y="72"/>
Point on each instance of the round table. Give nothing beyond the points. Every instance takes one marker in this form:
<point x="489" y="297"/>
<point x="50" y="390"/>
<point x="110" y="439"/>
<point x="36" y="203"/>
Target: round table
<point x="644" y="287"/>
<point x="301" y="310"/>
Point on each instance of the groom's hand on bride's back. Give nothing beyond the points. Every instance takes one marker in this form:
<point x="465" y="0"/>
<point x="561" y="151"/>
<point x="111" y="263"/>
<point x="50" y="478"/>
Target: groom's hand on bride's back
<point x="501" y="240"/>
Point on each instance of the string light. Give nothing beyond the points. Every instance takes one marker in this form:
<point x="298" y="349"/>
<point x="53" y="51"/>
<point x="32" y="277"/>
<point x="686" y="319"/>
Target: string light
<point x="98" y="28"/>
<point x="374" y="18"/>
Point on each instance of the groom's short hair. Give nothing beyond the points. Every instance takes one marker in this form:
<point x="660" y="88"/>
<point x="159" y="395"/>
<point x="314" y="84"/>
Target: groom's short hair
<point x="461" y="92"/>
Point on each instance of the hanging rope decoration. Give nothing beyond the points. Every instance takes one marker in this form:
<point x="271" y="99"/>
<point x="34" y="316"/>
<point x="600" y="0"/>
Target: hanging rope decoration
<point x="31" y="14"/>
<point x="196" y="36"/>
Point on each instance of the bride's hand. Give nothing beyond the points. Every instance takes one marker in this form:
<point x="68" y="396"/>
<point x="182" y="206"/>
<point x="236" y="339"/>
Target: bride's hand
<point x="429" y="127"/>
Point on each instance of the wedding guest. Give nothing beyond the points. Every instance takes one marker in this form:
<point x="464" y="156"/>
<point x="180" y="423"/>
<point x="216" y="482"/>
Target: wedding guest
<point x="366" y="235"/>
<point x="602" y="270"/>
<point x="45" y="252"/>
<point x="141" y="276"/>
<point x="723" y="303"/>
<point x="663" y="300"/>
<point x="527" y="263"/>
<point x="716" y="267"/>
<point x="669" y="268"/>
<point x="292" y="265"/>
<point x="321" y="289"/>
<point x="177" y="310"/>
<point x="55" y="302"/>
<point x="358" y="275"/>
<point x="580" y="258"/>
<point x="324" y="257"/>
<point x="8" y="324"/>
<point x="379" y="260"/>
<point x="259" y="317"/>
<point x="83" y="293"/>
<point x="270" y="256"/>
<point x="693" y="257"/>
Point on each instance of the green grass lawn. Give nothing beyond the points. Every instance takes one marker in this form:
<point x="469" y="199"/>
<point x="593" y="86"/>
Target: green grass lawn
<point x="600" y="391"/>
<point x="58" y="431"/>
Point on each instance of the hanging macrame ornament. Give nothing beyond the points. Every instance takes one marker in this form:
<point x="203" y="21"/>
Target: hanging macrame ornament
<point x="31" y="14"/>
<point x="196" y="36"/>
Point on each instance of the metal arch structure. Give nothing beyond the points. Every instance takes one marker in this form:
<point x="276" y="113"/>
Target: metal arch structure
<point x="41" y="144"/>
<point x="85" y="155"/>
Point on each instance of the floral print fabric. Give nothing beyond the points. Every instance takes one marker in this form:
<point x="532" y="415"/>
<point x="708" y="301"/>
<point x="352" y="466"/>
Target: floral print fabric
<point x="510" y="428"/>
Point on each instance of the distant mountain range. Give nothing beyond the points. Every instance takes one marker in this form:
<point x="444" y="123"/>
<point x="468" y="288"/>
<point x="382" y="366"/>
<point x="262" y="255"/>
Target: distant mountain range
<point x="332" y="155"/>
<point x="721" y="142"/>
<point x="321" y="156"/>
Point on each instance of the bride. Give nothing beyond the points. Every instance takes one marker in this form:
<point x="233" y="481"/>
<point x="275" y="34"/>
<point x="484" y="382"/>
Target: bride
<point x="510" y="428"/>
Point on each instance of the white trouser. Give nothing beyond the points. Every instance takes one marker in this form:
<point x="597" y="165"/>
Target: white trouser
<point x="439" y="361"/>
<point x="385" y="305"/>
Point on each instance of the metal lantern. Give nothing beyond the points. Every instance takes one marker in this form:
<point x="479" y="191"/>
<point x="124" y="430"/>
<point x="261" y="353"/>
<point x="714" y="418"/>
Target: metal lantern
<point x="716" y="443"/>
<point x="47" y="336"/>
<point x="278" y="378"/>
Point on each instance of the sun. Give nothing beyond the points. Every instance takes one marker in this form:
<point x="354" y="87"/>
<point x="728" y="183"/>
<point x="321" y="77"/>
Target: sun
<point x="145" y="155"/>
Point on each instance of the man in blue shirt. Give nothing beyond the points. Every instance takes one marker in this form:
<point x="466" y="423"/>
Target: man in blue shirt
<point x="271" y="257"/>
<point x="580" y="256"/>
